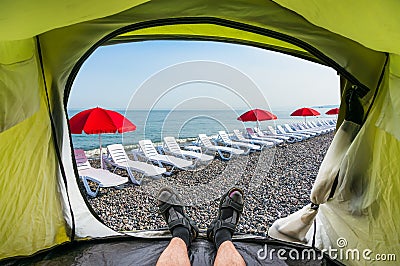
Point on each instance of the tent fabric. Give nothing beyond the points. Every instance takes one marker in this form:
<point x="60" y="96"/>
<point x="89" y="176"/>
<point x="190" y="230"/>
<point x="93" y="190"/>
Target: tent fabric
<point x="390" y="113"/>
<point x="371" y="23"/>
<point x="21" y="97"/>
<point x="213" y="32"/>
<point x="31" y="213"/>
<point x="25" y="19"/>
<point x="352" y="37"/>
<point x="352" y="55"/>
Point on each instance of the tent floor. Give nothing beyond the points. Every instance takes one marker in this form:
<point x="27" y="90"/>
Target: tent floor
<point x="146" y="252"/>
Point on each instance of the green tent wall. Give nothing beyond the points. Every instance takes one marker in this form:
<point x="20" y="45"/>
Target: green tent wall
<point x="43" y="44"/>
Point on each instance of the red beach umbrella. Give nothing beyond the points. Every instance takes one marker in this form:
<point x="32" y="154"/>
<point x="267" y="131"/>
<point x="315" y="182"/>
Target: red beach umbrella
<point x="305" y="111"/>
<point x="333" y="111"/>
<point x="257" y="115"/>
<point x="98" y="121"/>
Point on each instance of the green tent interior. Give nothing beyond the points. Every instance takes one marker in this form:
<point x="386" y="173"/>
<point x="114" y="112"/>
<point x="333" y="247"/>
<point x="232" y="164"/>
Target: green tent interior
<point x="44" y="44"/>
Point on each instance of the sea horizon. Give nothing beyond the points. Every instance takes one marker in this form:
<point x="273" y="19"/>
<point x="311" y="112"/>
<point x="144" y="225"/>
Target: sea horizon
<point x="183" y="124"/>
<point x="284" y="107"/>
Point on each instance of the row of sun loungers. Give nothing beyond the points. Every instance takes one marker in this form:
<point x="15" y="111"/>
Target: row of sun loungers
<point x="148" y="162"/>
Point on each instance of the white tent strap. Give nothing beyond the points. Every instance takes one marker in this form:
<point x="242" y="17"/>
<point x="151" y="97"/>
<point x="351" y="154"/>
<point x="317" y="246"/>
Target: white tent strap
<point x="332" y="161"/>
<point x="294" y="227"/>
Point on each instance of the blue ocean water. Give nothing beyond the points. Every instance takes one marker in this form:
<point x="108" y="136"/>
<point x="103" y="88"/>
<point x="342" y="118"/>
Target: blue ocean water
<point x="182" y="124"/>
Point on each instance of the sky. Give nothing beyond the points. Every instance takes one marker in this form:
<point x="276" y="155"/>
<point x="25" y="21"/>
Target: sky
<point x="199" y="75"/>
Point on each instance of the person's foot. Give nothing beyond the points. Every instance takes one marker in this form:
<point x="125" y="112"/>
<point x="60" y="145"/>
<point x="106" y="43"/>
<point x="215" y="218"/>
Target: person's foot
<point x="171" y="207"/>
<point x="230" y="209"/>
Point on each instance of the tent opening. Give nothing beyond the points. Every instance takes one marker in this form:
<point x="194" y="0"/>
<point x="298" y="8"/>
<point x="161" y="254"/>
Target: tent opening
<point x="355" y="194"/>
<point x="180" y="89"/>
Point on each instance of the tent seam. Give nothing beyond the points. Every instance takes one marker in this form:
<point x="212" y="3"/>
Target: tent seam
<point x="377" y="88"/>
<point x="58" y="154"/>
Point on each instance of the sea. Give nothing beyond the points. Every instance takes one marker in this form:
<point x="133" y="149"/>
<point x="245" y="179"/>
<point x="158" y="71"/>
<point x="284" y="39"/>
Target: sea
<point x="184" y="125"/>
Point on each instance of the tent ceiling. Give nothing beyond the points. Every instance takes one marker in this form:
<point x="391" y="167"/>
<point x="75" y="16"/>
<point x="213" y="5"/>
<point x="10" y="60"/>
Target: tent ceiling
<point x="347" y="57"/>
<point x="374" y="24"/>
<point x="26" y="19"/>
<point x="213" y="32"/>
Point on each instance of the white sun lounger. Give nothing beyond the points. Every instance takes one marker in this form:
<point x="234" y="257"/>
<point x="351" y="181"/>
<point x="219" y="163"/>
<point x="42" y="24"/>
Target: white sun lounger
<point x="119" y="159"/>
<point x="206" y="143"/>
<point x="223" y="138"/>
<point x="253" y="135"/>
<point x="322" y="125"/>
<point x="150" y="153"/>
<point x="310" y="127"/>
<point x="291" y="130"/>
<point x="282" y="130"/>
<point x="172" y="147"/>
<point x="328" y="124"/>
<point x="263" y="143"/>
<point x="325" y="123"/>
<point x="101" y="177"/>
<point x="261" y="134"/>
<point x="301" y="128"/>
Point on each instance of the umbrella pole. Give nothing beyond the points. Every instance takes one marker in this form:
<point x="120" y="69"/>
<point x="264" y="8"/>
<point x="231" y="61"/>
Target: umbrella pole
<point x="101" y="155"/>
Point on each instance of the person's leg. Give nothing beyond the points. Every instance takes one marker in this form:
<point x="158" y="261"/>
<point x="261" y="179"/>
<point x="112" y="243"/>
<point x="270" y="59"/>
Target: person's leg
<point x="174" y="254"/>
<point x="222" y="228"/>
<point x="182" y="228"/>
<point x="228" y="255"/>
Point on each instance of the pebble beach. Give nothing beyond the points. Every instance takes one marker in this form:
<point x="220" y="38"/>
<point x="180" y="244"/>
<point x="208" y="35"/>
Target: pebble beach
<point x="276" y="182"/>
